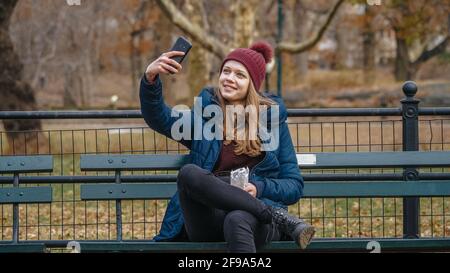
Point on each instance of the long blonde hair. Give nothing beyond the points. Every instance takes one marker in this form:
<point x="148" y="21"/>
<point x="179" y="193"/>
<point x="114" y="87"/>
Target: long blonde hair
<point x="248" y="146"/>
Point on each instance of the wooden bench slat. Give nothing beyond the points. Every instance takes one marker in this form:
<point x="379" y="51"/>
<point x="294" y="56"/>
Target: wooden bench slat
<point x="23" y="248"/>
<point x="28" y="195"/>
<point x="360" y="244"/>
<point x="150" y="246"/>
<point x="132" y="162"/>
<point x="305" y="160"/>
<point x="26" y="164"/>
<point x="373" y="159"/>
<point x="377" y="189"/>
<point x="319" y="244"/>
<point x="128" y="191"/>
<point x="311" y="190"/>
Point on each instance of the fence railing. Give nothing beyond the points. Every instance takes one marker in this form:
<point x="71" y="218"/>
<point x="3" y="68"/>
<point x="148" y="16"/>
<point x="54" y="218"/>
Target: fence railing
<point x="408" y="127"/>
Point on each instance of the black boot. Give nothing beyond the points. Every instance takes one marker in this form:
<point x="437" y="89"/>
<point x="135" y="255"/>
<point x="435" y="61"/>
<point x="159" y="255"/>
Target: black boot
<point x="300" y="231"/>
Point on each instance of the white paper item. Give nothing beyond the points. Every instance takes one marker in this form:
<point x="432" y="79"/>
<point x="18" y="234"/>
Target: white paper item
<point x="239" y="177"/>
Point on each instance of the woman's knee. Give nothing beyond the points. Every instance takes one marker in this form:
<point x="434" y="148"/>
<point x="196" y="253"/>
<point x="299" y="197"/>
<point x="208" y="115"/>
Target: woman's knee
<point x="188" y="173"/>
<point x="239" y="219"/>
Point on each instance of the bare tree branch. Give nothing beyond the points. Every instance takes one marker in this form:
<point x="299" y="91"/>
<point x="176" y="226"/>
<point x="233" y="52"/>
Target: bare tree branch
<point x="195" y="31"/>
<point x="269" y="6"/>
<point x="428" y="54"/>
<point x="204" y="16"/>
<point x="438" y="49"/>
<point x="320" y="10"/>
<point x="311" y="42"/>
<point x="213" y="45"/>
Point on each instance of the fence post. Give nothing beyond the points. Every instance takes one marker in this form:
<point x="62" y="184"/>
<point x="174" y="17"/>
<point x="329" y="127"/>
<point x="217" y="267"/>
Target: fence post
<point x="16" y="212"/>
<point x="410" y="117"/>
<point x="118" y="209"/>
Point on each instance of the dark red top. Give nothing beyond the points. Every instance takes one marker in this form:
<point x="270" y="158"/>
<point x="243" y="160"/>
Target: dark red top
<point x="228" y="161"/>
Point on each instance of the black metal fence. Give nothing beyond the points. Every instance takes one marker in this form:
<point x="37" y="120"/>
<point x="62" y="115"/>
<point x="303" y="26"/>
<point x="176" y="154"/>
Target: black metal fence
<point x="313" y="130"/>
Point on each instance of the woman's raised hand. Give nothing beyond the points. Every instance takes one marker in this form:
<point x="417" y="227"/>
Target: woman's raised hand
<point x="164" y="64"/>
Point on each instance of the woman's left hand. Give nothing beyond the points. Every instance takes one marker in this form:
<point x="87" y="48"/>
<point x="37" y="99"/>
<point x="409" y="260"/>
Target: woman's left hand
<point x="251" y="189"/>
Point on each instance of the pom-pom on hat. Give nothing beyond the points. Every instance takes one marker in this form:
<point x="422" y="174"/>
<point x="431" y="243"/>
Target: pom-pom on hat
<point x="254" y="59"/>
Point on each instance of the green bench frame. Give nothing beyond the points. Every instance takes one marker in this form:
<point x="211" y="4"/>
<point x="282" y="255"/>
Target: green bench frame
<point x="410" y="187"/>
<point x="320" y="189"/>
<point x="16" y="195"/>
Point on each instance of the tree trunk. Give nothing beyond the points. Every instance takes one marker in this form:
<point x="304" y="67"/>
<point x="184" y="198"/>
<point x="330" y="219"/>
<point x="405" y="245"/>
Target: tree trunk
<point x="164" y="43"/>
<point x="73" y="86"/>
<point x="14" y="92"/>
<point x="342" y="41"/>
<point x="139" y="27"/>
<point x="402" y="62"/>
<point x="302" y="34"/>
<point x="78" y="72"/>
<point x="244" y="23"/>
<point x="136" y="66"/>
<point x="368" y="47"/>
<point x="199" y="60"/>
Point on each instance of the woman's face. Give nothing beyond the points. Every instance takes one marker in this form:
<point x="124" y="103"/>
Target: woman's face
<point x="234" y="82"/>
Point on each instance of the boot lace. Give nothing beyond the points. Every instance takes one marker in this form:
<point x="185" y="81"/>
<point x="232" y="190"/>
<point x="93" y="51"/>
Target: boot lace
<point x="285" y="221"/>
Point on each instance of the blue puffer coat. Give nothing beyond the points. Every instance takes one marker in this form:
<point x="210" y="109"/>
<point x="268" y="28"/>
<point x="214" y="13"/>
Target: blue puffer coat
<point x="277" y="177"/>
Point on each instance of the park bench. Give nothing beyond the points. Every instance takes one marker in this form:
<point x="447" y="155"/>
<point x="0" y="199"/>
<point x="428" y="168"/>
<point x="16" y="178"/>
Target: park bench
<point x="16" y="195"/>
<point x="319" y="185"/>
<point x="400" y="178"/>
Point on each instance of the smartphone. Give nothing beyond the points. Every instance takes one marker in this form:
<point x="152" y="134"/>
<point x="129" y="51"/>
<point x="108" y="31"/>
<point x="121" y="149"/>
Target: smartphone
<point x="181" y="44"/>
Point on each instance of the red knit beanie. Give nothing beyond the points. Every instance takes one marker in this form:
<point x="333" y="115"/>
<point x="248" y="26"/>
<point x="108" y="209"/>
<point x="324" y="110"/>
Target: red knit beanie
<point x="254" y="59"/>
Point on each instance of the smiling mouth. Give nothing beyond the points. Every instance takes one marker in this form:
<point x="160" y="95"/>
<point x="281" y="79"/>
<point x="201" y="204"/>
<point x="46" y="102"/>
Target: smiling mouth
<point x="229" y="87"/>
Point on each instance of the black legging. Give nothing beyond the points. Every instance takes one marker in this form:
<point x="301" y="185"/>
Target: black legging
<point x="214" y="210"/>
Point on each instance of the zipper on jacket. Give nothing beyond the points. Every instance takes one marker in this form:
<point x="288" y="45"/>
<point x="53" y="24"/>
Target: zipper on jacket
<point x="254" y="167"/>
<point x="213" y="100"/>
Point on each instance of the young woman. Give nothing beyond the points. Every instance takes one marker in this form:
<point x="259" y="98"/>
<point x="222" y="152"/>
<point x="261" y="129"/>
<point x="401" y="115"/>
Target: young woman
<point x="206" y="207"/>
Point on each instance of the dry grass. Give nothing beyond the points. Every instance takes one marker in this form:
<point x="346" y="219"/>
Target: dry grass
<point x="352" y="217"/>
<point x="335" y="80"/>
